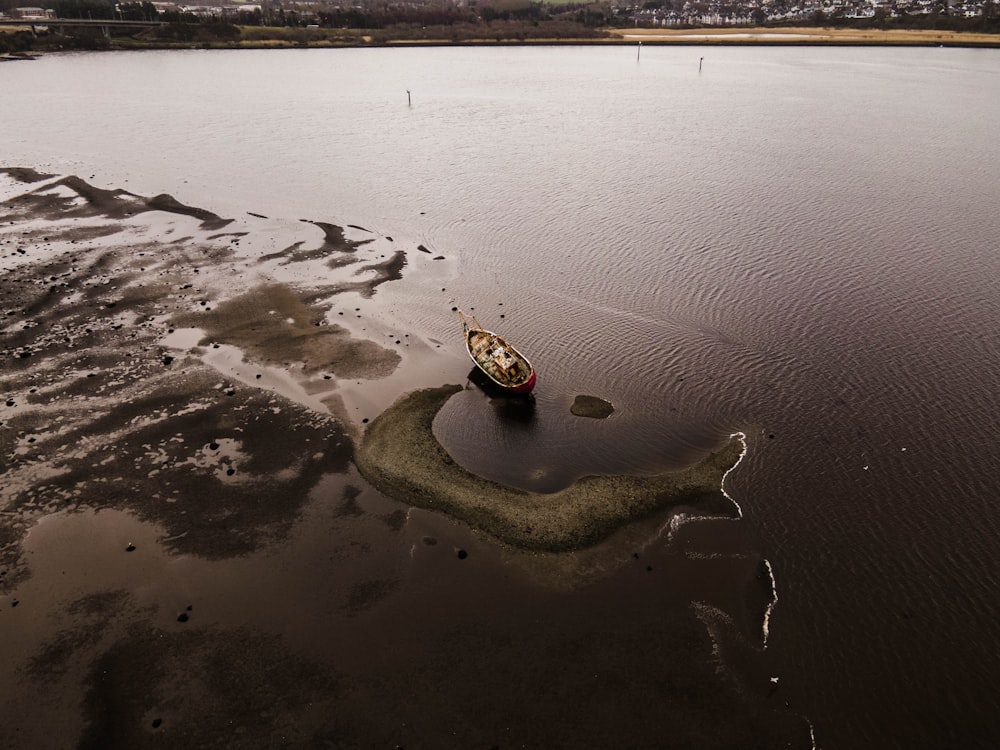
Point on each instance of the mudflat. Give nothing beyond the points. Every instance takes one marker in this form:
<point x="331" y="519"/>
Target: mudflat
<point x="205" y="541"/>
<point x="144" y="358"/>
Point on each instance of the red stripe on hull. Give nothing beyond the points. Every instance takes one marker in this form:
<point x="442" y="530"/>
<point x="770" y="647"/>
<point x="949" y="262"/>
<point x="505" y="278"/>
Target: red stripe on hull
<point x="524" y="387"/>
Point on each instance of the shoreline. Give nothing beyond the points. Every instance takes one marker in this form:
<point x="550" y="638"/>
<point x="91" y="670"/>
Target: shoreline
<point x="808" y="36"/>
<point x="756" y="36"/>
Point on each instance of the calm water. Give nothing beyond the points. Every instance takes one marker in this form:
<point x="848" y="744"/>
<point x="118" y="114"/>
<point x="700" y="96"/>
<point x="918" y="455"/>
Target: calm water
<point x="796" y="243"/>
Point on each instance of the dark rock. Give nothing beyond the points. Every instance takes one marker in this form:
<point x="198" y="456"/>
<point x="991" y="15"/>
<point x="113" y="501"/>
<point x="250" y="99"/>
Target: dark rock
<point x="591" y="406"/>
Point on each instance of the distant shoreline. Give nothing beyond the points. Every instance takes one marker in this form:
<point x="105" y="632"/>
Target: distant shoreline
<point x="297" y="38"/>
<point x="808" y="35"/>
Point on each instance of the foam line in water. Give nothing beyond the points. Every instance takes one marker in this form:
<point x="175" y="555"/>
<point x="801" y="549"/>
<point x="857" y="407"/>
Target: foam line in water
<point x="743" y="439"/>
<point x="673" y="525"/>
<point x="677" y="520"/>
<point x="774" y="600"/>
<point x="712" y="618"/>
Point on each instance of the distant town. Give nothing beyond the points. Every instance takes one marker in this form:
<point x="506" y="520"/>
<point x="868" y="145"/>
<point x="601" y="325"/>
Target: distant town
<point x="106" y="24"/>
<point x="651" y="13"/>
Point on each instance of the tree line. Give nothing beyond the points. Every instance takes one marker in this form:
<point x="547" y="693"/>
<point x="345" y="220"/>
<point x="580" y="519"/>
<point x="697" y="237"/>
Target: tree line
<point x="104" y="11"/>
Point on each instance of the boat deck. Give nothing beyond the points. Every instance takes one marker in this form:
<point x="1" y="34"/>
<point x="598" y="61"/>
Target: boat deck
<point x="498" y="359"/>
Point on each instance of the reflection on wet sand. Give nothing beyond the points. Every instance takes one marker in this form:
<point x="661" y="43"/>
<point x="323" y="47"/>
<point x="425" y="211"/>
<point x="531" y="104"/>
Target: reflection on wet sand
<point x="101" y="413"/>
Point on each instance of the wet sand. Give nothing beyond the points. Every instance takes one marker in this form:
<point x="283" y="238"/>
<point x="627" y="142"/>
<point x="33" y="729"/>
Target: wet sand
<point x="189" y="554"/>
<point x="107" y="404"/>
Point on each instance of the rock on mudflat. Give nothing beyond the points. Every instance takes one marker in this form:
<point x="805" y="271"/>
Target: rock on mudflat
<point x="591" y="406"/>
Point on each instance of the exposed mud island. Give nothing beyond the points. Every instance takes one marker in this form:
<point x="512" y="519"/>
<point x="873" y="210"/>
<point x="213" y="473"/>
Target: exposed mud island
<point x="177" y="389"/>
<point x="400" y="456"/>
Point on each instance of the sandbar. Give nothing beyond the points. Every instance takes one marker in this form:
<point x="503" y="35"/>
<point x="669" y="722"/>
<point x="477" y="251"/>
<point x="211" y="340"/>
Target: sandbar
<point x="400" y="456"/>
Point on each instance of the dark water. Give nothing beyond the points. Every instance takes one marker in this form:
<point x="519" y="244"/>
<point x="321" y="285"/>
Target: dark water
<point x="797" y="243"/>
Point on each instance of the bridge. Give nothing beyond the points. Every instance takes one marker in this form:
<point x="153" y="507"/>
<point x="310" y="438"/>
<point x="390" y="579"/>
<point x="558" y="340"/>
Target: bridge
<point x="65" y="24"/>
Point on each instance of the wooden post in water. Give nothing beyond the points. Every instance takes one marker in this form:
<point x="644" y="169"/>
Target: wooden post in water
<point x="699" y="63"/>
<point x="409" y="102"/>
<point x="638" y="49"/>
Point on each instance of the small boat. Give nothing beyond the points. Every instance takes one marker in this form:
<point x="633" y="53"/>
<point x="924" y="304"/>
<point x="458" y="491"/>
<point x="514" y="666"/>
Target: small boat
<point x="498" y="360"/>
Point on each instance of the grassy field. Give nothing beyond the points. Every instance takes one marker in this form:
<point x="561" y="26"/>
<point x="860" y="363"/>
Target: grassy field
<point x="807" y="35"/>
<point x="497" y="32"/>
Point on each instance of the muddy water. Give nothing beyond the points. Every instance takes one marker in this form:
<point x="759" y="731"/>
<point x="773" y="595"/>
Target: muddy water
<point x="796" y="243"/>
